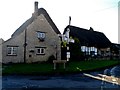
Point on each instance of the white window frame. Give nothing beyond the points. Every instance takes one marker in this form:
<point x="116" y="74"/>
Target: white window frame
<point x="41" y="51"/>
<point x="12" y="50"/>
<point x="41" y="35"/>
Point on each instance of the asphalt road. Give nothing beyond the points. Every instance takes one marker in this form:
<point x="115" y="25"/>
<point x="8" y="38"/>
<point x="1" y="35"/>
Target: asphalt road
<point x="84" y="81"/>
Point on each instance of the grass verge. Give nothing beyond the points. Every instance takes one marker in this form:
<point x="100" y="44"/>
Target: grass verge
<point x="47" y="68"/>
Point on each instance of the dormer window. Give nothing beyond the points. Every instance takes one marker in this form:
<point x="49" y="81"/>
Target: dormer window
<point x="41" y="36"/>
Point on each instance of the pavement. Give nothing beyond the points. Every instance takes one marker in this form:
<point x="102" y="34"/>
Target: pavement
<point x="105" y="78"/>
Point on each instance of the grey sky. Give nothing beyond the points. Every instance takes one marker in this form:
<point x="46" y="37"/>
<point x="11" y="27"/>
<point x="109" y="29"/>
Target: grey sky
<point x="101" y="15"/>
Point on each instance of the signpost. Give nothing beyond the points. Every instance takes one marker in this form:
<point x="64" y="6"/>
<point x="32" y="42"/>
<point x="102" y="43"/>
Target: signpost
<point x="68" y="39"/>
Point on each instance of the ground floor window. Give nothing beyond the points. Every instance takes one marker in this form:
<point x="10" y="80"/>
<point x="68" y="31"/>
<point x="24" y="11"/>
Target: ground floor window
<point x="12" y="50"/>
<point x="89" y="50"/>
<point x="40" y="50"/>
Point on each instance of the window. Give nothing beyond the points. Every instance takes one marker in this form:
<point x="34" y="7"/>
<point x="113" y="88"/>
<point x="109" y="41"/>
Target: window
<point x="11" y="50"/>
<point x="41" y="36"/>
<point x="40" y="51"/>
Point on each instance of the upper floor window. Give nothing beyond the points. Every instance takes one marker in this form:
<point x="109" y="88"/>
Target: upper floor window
<point x="12" y="50"/>
<point x="41" y="36"/>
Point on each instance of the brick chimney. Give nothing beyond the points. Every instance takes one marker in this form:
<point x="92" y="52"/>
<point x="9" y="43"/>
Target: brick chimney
<point x="36" y="6"/>
<point x="35" y="14"/>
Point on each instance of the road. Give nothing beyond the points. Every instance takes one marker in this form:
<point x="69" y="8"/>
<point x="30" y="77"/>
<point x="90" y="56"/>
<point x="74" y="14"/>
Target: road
<point x="84" y="81"/>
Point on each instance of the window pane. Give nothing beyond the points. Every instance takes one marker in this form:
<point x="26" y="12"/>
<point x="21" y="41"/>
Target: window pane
<point x="42" y="50"/>
<point x="38" y="50"/>
<point x="14" y="50"/>
<point x="9" y="50"/>
<point x="43" y="35"/>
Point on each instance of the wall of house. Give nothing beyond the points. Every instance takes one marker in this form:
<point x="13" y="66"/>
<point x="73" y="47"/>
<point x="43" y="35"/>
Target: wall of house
<point x="119" y="22"/>
<point x="1" y="41"/>
<point x="51" y="42"/>
<point x="16" y="41"/>
<point x="105" y="51"/>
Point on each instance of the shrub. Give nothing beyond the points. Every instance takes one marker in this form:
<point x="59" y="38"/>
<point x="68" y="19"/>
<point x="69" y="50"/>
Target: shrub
<point x="51" y="58"/>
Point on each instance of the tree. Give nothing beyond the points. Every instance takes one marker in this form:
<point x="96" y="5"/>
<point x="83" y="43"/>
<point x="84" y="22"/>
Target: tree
<point x="63" y="50"/>
<point x="75" y="50"/>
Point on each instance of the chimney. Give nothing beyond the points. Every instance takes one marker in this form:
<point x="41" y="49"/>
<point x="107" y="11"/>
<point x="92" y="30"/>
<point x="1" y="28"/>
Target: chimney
<point x="36" y="6"/>
<point x="35" y="14"/>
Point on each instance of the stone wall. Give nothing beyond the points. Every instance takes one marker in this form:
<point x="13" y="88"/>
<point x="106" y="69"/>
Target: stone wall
<point x="119" y="22"/>
<point x="1" y="41"/>
<point x="16" y="41"/>
<point x="51" y="43"/>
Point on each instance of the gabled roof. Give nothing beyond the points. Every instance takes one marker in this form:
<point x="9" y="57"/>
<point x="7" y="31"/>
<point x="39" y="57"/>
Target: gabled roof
<point x="23" y="27"/>
<point x="29" y="21"/>
<point x="89" y="37"/>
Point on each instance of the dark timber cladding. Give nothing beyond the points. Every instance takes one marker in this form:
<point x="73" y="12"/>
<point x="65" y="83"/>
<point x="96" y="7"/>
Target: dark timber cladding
<point x="89" y="37"/>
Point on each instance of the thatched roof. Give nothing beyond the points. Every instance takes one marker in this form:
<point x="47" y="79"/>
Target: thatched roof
<point x="29" y="21"/>
<point x="89" y="37"/>
<point x="115" y="46"/>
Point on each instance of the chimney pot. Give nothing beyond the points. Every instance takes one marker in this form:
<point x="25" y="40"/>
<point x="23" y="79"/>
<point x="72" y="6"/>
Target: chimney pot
<point x="36" y="6"/>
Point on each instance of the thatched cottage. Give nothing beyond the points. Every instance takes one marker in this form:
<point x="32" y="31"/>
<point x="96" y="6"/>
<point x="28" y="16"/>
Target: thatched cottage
<point x="34" y="41"/>
<point x="93" y="43"/>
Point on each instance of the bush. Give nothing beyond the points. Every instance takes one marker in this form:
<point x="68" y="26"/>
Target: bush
<point x="75" y="50"/>
<point x="51" y="58"/>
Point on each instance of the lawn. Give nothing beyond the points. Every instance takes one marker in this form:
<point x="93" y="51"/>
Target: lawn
<point x="41" y="68"/>
<point x="47" y="68"/>
<point x="91" y="65"/>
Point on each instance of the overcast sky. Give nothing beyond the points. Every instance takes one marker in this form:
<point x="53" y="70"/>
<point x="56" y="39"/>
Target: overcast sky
<point x="101" y="15"/>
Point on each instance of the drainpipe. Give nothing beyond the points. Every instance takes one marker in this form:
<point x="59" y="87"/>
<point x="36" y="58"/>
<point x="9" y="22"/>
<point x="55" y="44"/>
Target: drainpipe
<point x="25" y="44"/>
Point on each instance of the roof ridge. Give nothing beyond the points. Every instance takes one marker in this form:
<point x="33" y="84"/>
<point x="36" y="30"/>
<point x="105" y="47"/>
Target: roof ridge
<point x="89" y="38"/>
<point x="85" y="29"/>
<point x="30" y="20"/>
